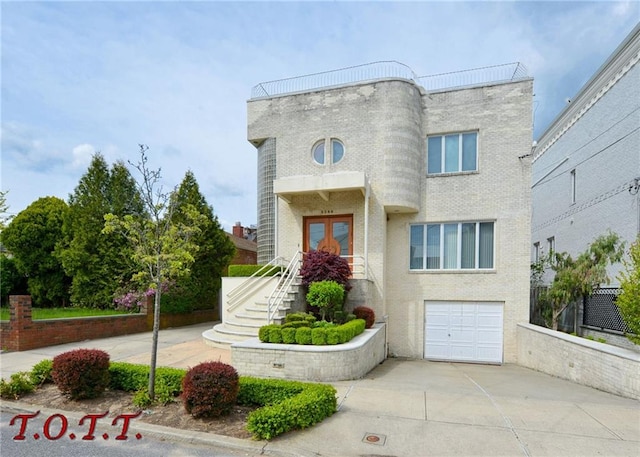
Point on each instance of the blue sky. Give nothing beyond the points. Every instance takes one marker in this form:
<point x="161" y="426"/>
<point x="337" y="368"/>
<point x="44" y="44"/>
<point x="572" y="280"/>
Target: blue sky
<point x="85" y="77"/>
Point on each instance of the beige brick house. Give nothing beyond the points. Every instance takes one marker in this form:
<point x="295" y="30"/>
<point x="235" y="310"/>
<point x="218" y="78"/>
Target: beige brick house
<point x="422" y="183"/>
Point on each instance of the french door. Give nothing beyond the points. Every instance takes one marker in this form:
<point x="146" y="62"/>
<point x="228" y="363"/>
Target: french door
<point x="329" y="233"/>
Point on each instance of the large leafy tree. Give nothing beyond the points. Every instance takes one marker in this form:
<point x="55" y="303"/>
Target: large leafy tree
<point x="580" y="277"/>
<point x="628" y="301"/>
<point x="31" y="238"/>
<point x="99" y="264"/>
<point x="163" y="248"/>
<point x="199" y="289"/>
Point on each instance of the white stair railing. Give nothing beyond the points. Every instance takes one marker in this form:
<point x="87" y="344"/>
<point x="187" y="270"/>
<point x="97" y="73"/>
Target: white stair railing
<point x="283" y="286"/>
<point x="236" y="296"/>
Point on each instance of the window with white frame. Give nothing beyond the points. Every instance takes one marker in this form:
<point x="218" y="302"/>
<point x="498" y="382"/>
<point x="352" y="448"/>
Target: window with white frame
<point x="453" y="153"/>
<point x="551" y="244"/>
<point x="573" y="186"/>
<point x="536" y="251"/>
<point x="452" y="246"/>
<point x="327" y="151"/>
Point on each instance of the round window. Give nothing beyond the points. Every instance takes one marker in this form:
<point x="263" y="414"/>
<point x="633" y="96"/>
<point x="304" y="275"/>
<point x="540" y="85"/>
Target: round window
<point x="318" y="153"/>
<point x="337" y="150"/>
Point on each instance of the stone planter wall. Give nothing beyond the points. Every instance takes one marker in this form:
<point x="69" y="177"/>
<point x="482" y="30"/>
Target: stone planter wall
<point x="341" y="362"/>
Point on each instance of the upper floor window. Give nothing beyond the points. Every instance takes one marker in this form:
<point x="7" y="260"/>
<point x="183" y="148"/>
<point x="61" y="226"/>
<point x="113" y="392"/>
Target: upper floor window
<point x="452" y="153"/>
<point x="536" y="252"/>
<point x="331" y="151"/>
<point x="462" y="245"/>
<point x="551" y="244"/>
<point x="573" y="185"/>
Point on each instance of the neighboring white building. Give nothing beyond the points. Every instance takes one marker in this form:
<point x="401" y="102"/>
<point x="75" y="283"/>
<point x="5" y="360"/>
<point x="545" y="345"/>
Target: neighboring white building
<point x="586" y="166"/>
<point x="423" y="183"/>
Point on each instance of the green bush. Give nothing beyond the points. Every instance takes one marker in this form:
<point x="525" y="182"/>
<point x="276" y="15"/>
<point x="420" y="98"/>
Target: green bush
<point x="275" y="334"/>
<point x="318" y="336"/>
<point x="628" y="302"/>
<point x="263" y="332"/>
<point x="289" y="335"/>
<point x="249" y="270"/>
<point x="81" y="373"/>
<point x="135" y="378"/>
<point x="303" y="335"/>
<point x="18" y="385"/>
<point x="210" y="389"/>
<point x="300" y="317"/>
<point x="323" y="332"/>
<point x="41" y="372"/>
<point x="328" y="296"/>
<point x="296" y="324"/>
<point x="289" y="405"/>
<point x="333" y="336"/>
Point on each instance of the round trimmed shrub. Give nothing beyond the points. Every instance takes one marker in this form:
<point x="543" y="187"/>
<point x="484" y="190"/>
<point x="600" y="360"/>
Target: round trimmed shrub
<point x="81" y="373"/>
<point x="366" y="313"/>
<point x="210" y="389"/>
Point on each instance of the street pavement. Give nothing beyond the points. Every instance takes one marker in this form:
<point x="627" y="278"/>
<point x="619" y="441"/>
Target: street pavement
<point x="406" y="407"/>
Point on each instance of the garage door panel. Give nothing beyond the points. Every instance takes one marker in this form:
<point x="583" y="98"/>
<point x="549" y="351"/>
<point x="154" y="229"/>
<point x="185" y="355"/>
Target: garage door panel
<point x="464" y="331"/>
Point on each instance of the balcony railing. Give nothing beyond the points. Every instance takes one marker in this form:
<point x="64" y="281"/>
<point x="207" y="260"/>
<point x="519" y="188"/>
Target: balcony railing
<point x="390" y="69"/>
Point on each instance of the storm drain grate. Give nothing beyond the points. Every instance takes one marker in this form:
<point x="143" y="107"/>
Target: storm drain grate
<point x="374" y="438"/>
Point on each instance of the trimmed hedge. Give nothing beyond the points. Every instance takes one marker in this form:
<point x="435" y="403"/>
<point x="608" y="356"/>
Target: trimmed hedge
<point x="134" y="377"/>
<point x="321" y="334"/>
<point x="249" y="270"/>
<point x="288" y="405"/>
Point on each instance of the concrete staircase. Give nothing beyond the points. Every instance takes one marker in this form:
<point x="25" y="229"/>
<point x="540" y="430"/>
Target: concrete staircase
<point x="246" y="307"/>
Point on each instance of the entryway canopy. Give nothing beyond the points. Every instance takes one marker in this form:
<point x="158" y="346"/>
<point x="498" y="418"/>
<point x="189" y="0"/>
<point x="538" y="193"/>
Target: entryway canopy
<point x="323" y="185"/>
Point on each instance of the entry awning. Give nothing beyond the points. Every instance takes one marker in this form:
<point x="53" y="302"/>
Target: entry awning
<point x="322" y="185"/>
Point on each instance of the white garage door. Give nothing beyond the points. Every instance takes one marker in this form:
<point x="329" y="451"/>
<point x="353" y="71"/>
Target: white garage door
<point x="463" y="331"/>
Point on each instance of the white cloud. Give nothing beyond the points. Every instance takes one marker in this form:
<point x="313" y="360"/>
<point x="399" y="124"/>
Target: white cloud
<point x="82" y="154"/>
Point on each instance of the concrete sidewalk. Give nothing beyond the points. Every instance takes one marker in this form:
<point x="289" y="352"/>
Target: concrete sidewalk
<point x="414" y="408"/>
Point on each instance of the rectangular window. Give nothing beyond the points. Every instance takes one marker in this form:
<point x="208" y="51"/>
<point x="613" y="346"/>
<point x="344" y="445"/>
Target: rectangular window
<point x="536" y="251"/>
<point x="452" y="246"/>
<point x="573" y="186"/>
<point x="452" y="153"/>
<point x="551" y="244"/>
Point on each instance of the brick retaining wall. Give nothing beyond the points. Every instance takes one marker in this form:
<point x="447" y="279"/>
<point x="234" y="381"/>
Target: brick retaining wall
<point x="21" y="333"/>
<point x="590" y="363"/>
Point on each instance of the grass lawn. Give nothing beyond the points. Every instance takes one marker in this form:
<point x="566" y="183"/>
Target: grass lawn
<point x="56" y="313"/>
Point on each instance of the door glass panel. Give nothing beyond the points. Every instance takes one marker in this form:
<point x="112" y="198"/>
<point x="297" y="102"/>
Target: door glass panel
<point x="316" y="234"/>
<point x="340" y="233"/>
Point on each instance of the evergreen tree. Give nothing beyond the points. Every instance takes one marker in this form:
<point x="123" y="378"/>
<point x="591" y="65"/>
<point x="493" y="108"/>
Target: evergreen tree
<point x="99" y="264"/>
<point x="200" y="288"/>
<point x="31" y="238"/>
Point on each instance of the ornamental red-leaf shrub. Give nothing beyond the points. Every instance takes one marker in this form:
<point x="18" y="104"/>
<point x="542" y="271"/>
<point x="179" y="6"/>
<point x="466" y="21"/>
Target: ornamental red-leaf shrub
<point x="366" y="313"/>
<point x="81" y="373"/>
<point x="324" y="266"/>
<point x="210" y="389"/>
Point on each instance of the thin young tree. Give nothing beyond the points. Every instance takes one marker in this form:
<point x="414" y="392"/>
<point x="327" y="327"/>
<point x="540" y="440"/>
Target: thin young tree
<point x="163" y="246"/>
<point x="581" y="277"/>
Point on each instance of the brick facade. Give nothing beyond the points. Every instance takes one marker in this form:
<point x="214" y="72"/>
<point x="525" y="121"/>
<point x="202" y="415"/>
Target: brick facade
<point x="383" y="126"/>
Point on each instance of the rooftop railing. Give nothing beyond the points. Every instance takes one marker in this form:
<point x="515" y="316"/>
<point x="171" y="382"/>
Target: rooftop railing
<point x="390" y="69"/>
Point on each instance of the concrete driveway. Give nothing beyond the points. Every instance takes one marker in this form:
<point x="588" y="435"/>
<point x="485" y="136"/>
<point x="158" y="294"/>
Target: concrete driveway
<point x="421" y="408"/>
<point x="414" y="408"/>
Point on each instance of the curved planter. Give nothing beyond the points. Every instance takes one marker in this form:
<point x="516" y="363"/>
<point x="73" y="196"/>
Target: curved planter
<point x="341" y="362"/>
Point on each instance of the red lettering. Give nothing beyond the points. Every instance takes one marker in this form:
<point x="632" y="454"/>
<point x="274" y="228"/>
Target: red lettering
<point x="93" y="418"/>
<point x="63" y="427"/>
<point x="125" y="426"/>
<point x="23" y="426"/>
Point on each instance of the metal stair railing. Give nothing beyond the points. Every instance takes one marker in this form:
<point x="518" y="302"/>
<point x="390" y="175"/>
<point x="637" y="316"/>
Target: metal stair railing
<point x="235" y="297"/>
<point x="283" y="286"/>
